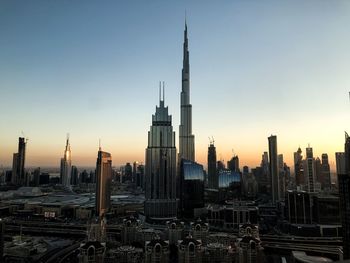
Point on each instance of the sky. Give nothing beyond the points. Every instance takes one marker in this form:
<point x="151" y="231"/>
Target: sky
<point x="92" y="68"/>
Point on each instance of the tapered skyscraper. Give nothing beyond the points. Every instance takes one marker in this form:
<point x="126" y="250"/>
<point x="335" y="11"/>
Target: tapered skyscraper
<point x="186" y="139"/>
<point x="103" y="182"/>
<point x="160" y="169"/>
<point x="18" y="171"/>
<point x="66" y="165"/>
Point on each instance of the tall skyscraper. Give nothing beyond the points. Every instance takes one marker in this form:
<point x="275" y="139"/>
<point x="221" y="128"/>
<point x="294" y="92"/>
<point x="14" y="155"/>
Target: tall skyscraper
<point x="340" y="162"/>
<point x="310" y="170"/>
<point x="325" y="173"/>
<point x="233" y="164"/>
<point x="274" y="168"/>
<point x="192" y="188"/>
<point x="18" y="171"/>
<point x="213" y="181"/>
<point x="186" y="138"/>
<point x="103" y="182"/>
<point x="344" y="197"/>
<point x="298" y="167"/>
<point x="66" y="165"/>
<point x="160" y="170"/>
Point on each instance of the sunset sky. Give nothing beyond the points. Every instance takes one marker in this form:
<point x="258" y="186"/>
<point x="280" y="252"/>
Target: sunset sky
<point x="92" y="68"/>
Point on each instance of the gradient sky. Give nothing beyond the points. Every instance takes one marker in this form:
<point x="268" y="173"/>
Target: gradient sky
<point x="91" y="68"/>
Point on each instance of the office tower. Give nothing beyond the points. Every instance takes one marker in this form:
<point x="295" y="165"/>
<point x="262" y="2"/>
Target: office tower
<point x="191" y="187"/>
<point x="186" y="138"/>
<point x="309" y="170"/>
<point x="298" y="167"/>
<point x="274" y="168"/>
<point x="213" y="181"/>
<point x="298" y="205"/>
<point x="127" y="172"/>
<point x="74" y="177"/>
<point x="318" y="169"/>
<point x="344" y="195"/>
<point x="220" y="165"/>
<point x="340" y="162"/>
<point x="37" y="176"/>
<point x="282" y="176"/>
<point x="233" y="164"/>
<point x="160" y="170"/>
<point x="18" y="172"/>
<point x="325" y="179"/>
<point x="66" y="165"/>
<point x="103" y="182"/>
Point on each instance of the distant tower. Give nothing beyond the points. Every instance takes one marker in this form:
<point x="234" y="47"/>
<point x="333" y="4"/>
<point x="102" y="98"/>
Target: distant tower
<point x="160" y="170"/>
<point x="298" y="167"/>
<point x="186" y="139"/>
<point x="344" y="195"/>
<point x="310" y="170"/>
<point x="18" y="171"/>
<point x="213" y="181"/>
<point x="274" y="168"/>
<point x="325" y="172"/>
<point x="103" y="182"/>
<point x="66" y="165"/>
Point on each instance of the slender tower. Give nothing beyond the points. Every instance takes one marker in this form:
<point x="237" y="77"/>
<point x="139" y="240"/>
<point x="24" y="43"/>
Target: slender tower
<point x="186" y="139"/>
<point x="66" y="165"/>
<point x="274" y="169"/>
<point x="160" y="169"/>
<point x="103" y="182"/>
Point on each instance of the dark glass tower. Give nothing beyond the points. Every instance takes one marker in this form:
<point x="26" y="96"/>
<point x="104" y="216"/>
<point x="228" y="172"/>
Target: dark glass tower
<point x="274" y="168"/>
<point x="298" y="167"/>
<point x="103" y="182"/>
<point x="213" y="181"/>
<point x="192" y="187"/>
<point x="344" y="198"/>
<point x="160" y="169"/>
<point x="18" y="171"/>
<point x="186" y="138"/>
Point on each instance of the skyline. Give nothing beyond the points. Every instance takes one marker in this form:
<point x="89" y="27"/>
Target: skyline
<point x="74" y="76"/>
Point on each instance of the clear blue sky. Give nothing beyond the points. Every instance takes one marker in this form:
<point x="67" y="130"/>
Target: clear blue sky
<point x="91" y="68"/>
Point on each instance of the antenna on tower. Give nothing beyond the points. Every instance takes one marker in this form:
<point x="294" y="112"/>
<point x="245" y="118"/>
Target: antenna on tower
<point x="99" y="144"/>
<point x="160" y="90"/>
<point x="213" y="139"/>
<point x="163" y="90"/>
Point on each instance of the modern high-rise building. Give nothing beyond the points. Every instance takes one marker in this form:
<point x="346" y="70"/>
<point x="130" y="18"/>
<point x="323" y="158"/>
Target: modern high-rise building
<point x="103" y="182"/>
<point x="344" y="197"/>
<point x="160" y="169"/>
<point x="233" y="164"/>
<point x="66" y="166"/>
<point x="340" y="162"/>
<point x="186" y="138"/>
<point x="74" y="176"/>
<point x="298" y="167"/>
<point x="310" y="170"/>
<point x="18" y="171"/>
<point x="192" y="188"/>
<point x="213" y="181"/>
<point x="274" y="168"/>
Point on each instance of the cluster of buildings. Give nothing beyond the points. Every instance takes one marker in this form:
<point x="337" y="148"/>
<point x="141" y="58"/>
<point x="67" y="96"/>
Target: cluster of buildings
<point x="177" y="242"/>
<point x="227" y="198"/>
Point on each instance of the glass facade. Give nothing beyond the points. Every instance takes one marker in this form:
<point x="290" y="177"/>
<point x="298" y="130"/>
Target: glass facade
<point x="228" y="178"/>
<point x="192" y="187"/>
